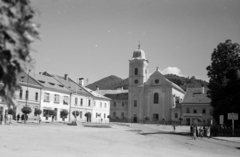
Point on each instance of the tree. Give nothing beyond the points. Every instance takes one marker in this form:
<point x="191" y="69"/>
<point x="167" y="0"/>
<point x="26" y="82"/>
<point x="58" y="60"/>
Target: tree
<point x="75" y="114"/>
<point x="17" y="32"/>
<point x="224" y="83"/>
<point x="26" y="110"/>
<point x="37" y="111"/>
<point x="64" y="114"/>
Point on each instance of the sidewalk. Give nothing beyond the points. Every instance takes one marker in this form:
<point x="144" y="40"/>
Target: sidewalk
<point x="229" y="139"/>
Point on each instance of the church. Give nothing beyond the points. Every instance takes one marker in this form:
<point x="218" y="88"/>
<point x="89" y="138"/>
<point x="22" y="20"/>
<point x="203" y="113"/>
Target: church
<point x="150" y="96"/>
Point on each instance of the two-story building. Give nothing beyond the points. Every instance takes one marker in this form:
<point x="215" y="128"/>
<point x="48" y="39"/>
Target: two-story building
<point x="54" y="96"/>
<point x="195" y="108"/>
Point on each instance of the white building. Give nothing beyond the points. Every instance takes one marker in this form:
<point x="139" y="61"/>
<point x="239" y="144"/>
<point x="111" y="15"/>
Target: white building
<point x="54" y="96"/>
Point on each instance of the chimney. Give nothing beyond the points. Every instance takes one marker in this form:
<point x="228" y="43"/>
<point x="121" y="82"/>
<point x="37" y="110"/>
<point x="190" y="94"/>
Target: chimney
<point x="66" y="76"/>
<point x="202" y="91"/>
<point x="81" y="81"/>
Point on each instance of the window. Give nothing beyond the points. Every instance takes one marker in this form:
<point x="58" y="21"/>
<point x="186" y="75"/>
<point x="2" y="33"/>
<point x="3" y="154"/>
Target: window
<point x="36" y="96"/>
<point x="65" y="100"/>
<point x="122" y="114"/>
<point x="156" y="98"/>
<point x="114" y="114"/>
<point x="104" y="115"/>
<point x="114" y="104"/>
<point x="194" y="110"/>
<point x="122" y="104"/>
<point x="136" y="81"/>
<point x="76" y="101"/>
<point x="100" y="104"/>
<point x="81" y="101"/>
<point x="46" y="96"/>
<point x="156" y="81"/>
<point x="188" y="111"/>
<point x="26" y="96"/>
<point x="136" y="71"/>
<point x="56" y="98"/>
<point x="135" y="103"/>
<point x="80" y="115"/>
<point x="20" y="94"/>
<point x="176" y="115"/>
<point x="89" y="103"/>
<point x="204" y="111"/>
<point x="96" y="115"/>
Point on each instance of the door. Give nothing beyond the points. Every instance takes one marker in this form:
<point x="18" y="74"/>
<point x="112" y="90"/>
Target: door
<point x="188" y="121"/>
<point x="134" y="119"/>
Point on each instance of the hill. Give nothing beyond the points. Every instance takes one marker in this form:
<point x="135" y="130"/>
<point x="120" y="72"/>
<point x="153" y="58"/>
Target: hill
<point x="114" y="82"/>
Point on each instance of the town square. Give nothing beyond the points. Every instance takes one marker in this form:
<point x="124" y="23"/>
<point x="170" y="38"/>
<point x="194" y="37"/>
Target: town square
<point x="119" y="78"/>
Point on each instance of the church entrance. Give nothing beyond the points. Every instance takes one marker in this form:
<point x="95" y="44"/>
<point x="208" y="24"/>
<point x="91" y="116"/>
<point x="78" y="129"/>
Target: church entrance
<point x="135" y="119"/>
<point x="155" y="117"/>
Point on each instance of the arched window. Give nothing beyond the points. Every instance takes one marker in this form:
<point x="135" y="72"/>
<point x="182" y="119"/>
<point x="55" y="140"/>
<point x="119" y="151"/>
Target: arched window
<point x="136" y="71"/>
<point x="156" y="98"/>
<point x="176" y="115"/>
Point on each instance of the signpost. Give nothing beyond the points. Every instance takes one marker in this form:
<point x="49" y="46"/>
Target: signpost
<point x="221" y="119"/>
<point x="233" y="116"/>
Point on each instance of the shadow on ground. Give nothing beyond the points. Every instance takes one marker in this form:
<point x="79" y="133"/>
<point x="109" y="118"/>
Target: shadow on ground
<point x="167" y="132"/>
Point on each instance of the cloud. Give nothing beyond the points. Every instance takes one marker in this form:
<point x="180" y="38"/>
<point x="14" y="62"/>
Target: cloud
<point x="172" y="70"/>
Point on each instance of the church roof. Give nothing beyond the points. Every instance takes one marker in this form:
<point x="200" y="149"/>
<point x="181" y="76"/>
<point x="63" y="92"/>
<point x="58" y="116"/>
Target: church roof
<point x="195" y="95"/>
<point x="139" y="54"/>
<point x="114" y="94"/>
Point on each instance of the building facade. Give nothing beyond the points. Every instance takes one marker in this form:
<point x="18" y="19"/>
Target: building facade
<point x="195" y="108"/>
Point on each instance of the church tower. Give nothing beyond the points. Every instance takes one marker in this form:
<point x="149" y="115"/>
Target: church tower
<point x="138" y="68"/>
<point x="138" y="75"/>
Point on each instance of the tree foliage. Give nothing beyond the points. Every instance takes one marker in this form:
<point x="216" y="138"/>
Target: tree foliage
<point x="64" y="113"/>
<point x="17" y="31"/>
<point x="52" y="113"/>
<point x="26" y="110"/>
<point x="75" y="113"/>
<point x="11" y="111"/>
<point x="37" y="111"/>
<point x="88" y="114"/>
<point x="224" y="81"/>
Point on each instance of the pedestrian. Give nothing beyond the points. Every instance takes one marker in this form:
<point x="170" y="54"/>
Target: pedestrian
<point x="52" y="118"/>
<point x="39" y="119"/>
<point x="194" y="132"/>
<point x="208" y="131"/>
<point x="26" y="117"/>
<point x="22" y="117"/>
<point x="191" y="131"/>
<point x="18" y="117"/>
<point x="197" y="131"/>
<point x="174" y="127"/>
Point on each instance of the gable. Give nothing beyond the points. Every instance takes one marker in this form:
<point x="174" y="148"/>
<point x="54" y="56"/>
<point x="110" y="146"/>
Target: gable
<point x="157" y="79"/>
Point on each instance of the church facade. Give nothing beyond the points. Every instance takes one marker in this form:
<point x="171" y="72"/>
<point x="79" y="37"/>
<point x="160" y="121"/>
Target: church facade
<point x="151" y="96"/>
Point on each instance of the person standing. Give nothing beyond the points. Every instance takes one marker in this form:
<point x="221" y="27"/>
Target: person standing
<point x="22" y="117"/>
<point x="208" y="131"/>
<point x="39" y="119"/>
<point x="174" y="127"/>
<point x="52" y="118"/>
<point x="18" y="117"/>
<point x="194" y="132"/>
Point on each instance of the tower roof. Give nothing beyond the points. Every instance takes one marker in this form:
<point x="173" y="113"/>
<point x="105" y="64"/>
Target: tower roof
<point x="139" y="53"/>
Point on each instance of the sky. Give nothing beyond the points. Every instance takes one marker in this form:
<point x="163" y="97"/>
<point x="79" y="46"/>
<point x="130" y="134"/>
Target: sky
<point x="93" y="39"/>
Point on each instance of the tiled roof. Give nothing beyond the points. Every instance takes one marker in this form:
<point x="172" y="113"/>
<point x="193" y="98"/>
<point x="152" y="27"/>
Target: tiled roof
<point x="50" y="83"/>
<point x="72" y="86"/>
<point x="24" y="79"/>
<point x="195" y="95"/>
<point x="95" y="94"/>
<point x="103" y="92"/>
<point x="114" y="94"/>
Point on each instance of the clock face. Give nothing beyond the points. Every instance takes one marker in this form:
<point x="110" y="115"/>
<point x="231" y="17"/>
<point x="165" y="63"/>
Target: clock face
<point x="136" y="81"/>
<point x="156" y="81"/>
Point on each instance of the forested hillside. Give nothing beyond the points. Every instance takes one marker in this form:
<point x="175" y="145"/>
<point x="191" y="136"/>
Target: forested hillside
<point x="114" y="82"/>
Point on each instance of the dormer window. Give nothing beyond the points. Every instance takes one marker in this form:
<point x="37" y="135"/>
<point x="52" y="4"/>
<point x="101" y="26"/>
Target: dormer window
<point x="136" y="71"/>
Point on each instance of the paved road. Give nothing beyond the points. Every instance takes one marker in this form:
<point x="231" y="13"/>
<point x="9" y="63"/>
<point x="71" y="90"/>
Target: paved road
<point x="34" y="140"/>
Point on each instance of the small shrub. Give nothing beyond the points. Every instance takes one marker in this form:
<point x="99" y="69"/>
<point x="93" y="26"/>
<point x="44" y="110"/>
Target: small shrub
<point x="75" y="113"/>
<point x="11" y="111"/>
<point x="37" y="111"/>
